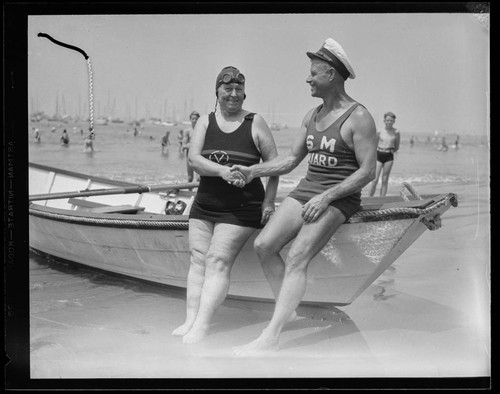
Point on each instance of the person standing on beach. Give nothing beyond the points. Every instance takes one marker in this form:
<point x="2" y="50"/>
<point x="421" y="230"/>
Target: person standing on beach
<point x="64" y="138"/>
<point x="444" y="146"/>
<point x="186" y="139"/>
<point x="223" y="217"/>
<point x="88" y="142"/>
<point x="180" y="138"/>
<point x="38" y="138"/>
<point x="339" y="138"/>
<point x="388" y="144"/>
<point x="165" y="141"/>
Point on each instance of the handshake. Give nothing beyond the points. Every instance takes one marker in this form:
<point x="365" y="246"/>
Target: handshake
<point x="238" y="175"/>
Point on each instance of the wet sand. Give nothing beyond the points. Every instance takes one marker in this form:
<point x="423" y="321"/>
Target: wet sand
<point x="427" y="316"/>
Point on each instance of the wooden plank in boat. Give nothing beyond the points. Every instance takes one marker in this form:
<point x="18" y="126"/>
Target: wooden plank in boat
<point x="118" y="209"/>
<point x="85" y="203"/>
<point x="103" y="208"/>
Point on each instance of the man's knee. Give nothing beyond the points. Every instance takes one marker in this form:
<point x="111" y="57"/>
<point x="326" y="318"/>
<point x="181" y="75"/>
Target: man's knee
<point x="264" y="246"/>
<point x="299" y="257"/>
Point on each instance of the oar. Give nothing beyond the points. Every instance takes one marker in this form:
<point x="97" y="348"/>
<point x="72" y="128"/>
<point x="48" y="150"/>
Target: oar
<point x="118" y="190"/>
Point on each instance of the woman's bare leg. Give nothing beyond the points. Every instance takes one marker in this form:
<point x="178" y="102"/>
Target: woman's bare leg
<point x="200" y="235"/>
<point x="225" y="245"/>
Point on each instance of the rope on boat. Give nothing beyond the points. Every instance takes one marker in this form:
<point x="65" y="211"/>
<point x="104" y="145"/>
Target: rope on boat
<point x="110" y="222"/>
<point x="89" y="67"/>
<point x="432" y="223"/>
<point x="416" y="211"/>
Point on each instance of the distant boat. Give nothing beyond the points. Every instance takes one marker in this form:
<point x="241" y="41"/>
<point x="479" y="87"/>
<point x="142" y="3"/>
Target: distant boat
<point x="275" y="126"/>
<point x="116" y="120"/>
<point x="101" y="121"/>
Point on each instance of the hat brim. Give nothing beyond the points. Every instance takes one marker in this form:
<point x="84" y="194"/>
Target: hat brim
<point x="319" y="55"/>
<point x="316" y="55"/>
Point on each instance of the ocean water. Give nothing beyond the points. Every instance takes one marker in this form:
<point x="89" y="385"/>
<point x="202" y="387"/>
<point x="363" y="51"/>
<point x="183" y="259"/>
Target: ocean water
<point x="122" y="156"/>
<point x="432" y="304"/>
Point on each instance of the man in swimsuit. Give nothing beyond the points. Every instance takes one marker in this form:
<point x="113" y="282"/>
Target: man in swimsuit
<point x="388" y="143"/>
<point x="339" y="138"/>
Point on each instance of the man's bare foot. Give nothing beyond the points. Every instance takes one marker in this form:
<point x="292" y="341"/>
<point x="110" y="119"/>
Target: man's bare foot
<point x="182" y="330"/>
<point x="257" y="347"/>
<point x="292" y="317"/>
<point x="194" y="335"/>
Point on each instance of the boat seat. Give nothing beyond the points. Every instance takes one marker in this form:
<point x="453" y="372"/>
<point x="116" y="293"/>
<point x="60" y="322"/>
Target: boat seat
<point x="85" y="203"/>
<point x="103" y="208"/>
<point x="118" y="209"/>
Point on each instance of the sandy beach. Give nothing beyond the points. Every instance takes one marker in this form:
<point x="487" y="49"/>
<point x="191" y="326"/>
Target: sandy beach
<point x="427" y="316"/>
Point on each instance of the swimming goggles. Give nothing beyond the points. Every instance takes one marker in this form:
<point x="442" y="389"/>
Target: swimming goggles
<point x="231" y="77"/>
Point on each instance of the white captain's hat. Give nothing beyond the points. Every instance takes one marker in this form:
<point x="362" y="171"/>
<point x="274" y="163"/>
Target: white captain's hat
<point x="333" y="53"/>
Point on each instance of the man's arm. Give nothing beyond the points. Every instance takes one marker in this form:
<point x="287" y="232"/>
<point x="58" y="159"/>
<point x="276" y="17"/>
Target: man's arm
<point x="280" y="165"/>
<point x="265" y="143"/>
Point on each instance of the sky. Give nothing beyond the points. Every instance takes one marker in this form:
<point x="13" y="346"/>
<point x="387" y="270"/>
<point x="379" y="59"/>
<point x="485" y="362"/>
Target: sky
<point x="430" y="69"/>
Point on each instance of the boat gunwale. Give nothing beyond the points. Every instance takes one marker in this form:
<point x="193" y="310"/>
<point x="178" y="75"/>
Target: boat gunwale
<point x="146" y="220"/>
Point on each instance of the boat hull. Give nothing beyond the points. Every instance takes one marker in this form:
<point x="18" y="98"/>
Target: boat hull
<point x="155" y="247"/>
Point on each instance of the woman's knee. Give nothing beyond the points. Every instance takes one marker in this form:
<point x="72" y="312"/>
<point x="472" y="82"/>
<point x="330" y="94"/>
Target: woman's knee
<point x="197" y="258"/>
<point x="218" y="263"/>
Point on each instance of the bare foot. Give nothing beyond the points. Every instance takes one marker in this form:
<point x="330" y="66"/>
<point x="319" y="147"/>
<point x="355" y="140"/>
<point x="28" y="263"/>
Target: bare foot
<point x="194" y="335"/>
<point x="257" y="347"/>
<point x="182" y="330"/>
<point x="292" y="317"/>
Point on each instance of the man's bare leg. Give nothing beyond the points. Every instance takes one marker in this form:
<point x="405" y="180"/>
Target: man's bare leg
<point x="272" y="239"/>
<point x="310" y="240"/>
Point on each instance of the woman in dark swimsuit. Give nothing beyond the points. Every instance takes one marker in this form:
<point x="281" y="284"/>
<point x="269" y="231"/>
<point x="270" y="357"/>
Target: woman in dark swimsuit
<point x="223" y="216"/>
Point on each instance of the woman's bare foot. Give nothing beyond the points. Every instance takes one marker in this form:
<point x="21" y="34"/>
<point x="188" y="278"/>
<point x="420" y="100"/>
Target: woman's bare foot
<point x="182" y="330"/>
<point x="194" y="335"/>
<point x="259" y="346"/>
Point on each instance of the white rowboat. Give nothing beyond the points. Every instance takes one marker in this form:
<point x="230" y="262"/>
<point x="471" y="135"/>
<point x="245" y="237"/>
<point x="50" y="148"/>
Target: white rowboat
<point x="142" y="232"/>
